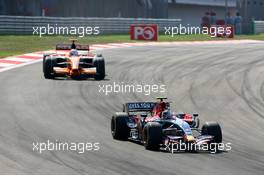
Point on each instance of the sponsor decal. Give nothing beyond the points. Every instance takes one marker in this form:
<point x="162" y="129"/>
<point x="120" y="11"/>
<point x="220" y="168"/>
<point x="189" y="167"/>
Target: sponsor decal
<point x="140" y="105"/>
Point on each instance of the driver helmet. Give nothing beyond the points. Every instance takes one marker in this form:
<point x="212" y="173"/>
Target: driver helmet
<point x="166" y="114"/>
<point x="74" y="52"/>
<point x="181" y="115"/>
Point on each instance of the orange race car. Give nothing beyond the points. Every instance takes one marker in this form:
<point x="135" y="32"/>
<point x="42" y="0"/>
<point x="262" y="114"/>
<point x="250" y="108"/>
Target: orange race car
<point x="75" y="61"/>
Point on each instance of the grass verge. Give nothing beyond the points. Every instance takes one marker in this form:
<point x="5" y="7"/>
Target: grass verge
<point x="20" y="44"/>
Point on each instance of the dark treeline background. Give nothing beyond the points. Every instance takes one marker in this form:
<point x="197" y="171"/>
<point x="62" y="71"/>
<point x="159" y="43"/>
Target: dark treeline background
<point x="86" y="8"/>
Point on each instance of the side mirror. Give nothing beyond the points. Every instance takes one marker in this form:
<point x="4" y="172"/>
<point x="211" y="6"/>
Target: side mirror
<point x="195" y="115"/>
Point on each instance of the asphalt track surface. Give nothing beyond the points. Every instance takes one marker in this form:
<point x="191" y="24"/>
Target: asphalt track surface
<point x="222" y="83"/>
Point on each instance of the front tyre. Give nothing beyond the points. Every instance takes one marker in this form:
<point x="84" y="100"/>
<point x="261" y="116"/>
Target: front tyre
<point x="152" y="135"/>
<point x="213" y="129"/>
<point x="99" y="63"/>
<point x="48" y="68"/>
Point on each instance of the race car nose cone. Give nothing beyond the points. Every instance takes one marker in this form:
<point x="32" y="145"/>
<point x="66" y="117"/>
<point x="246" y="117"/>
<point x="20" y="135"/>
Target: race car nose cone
<point x="75" y="62"/>
<point x="75" y="73"/>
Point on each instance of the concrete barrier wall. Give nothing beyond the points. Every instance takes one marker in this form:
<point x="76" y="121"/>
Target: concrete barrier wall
<point x="258" y="27"/>
<point x="25" y="24"/>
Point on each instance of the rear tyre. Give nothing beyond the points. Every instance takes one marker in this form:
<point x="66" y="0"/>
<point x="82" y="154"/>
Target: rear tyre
<point x="48" y="65"/>
<point x="100" y="68"/>
<point x="152" y="135"/>
<point x="119" y="128"/>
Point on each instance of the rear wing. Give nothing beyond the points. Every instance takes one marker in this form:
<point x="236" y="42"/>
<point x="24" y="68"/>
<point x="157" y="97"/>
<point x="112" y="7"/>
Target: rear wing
<point x="69" y="46"/>
<point x="139" y="106"/>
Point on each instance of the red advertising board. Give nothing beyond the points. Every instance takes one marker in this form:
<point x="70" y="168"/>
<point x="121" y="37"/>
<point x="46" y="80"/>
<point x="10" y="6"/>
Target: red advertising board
<point x="144" y="32"/>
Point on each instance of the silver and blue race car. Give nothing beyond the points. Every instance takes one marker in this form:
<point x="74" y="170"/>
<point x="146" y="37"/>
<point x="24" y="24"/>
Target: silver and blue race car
<point x="157" y="128"/>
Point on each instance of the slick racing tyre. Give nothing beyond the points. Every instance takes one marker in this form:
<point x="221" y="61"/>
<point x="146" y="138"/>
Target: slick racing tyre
<point x="119" y="128"/>
<point x="100" y="68"/>
<point x="43" y="62"/>
<point x="152" y="135"/>
<point x="213" y="129"/>
<point x="49" y="63"/>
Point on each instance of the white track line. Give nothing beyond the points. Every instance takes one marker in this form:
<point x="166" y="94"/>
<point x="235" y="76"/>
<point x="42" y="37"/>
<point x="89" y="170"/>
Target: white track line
<point x="19" y="59"/>
<point x="6" y="64"/>
<point x="34" y="55"/>
<point x="13" y="66"/>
